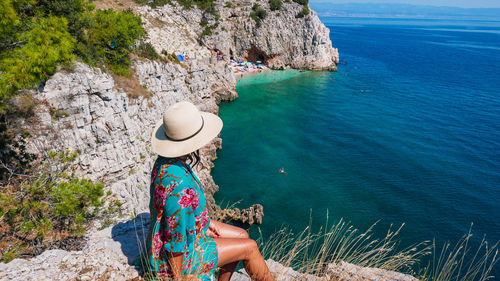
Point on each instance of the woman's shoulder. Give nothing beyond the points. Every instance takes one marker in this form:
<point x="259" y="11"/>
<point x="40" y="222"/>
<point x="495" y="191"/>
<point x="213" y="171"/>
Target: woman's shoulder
<point x="170" y="167"/>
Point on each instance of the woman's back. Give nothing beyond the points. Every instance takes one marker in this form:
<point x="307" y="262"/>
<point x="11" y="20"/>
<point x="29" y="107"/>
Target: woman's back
<point x="179" y="220"/>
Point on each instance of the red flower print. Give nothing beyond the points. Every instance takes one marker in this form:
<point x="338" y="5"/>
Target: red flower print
<point x="201" y="220"/>
<point x="156" y="245"/>
<point x="189" y="198"/>
<point x="159" y="197"/>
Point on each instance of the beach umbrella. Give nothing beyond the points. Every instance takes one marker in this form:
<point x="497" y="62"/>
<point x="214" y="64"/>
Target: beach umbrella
<point x="180" y="58"/>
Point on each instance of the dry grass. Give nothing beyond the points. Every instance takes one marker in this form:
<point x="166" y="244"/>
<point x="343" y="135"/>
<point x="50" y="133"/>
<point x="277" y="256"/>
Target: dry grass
<point x="309" y="252"/>
<point x="131" y="86"/>
<point x="461" y="262"/>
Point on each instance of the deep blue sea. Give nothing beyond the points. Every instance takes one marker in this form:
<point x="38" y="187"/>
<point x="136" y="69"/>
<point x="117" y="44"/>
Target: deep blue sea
<point x="407" y="131"/>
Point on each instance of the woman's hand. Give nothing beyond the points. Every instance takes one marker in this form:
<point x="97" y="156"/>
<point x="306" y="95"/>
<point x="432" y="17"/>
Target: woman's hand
<point x="213" y="230"/>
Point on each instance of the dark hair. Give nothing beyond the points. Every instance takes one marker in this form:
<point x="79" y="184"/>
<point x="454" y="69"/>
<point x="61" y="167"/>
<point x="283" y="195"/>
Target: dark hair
<point x="194" y="158"/>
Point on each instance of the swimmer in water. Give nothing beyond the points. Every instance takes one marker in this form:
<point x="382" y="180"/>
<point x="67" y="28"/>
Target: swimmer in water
<point x="282" y="171"/>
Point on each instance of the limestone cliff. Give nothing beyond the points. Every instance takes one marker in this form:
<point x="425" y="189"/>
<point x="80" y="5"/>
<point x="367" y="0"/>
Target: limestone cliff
<point x="281" y="40"/>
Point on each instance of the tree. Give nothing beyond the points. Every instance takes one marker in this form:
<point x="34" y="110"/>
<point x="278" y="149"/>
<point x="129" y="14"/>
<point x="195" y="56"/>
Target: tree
<point x="112" y="35"/>
<point x="47" y="44"/>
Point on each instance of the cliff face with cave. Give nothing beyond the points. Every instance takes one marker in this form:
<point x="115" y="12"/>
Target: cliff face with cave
<point x="110" y="124"/>
<point x="281" y="40"/>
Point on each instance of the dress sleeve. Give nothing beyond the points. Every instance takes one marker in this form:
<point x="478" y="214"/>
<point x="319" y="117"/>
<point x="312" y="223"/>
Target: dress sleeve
<point x="178" y="213"/>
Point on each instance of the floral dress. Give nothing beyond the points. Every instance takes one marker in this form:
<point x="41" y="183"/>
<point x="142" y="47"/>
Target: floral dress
<point x="179" y="221"/>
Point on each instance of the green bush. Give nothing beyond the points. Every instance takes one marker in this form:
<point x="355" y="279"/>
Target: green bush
<point x="228" y="5"/>
<point x="112" y="35"/>
<point x="38" y="36"/>
<point x="304" y="12"/>
<point x="258" y="14"/>
<point x="52" y="206"/>
<point x="302" y="2"/>
<point x="207" y="6"/>
<point x="171" y="57"/>
<point x="146" y="50"/>
<point x="8" y="19"/>
<point x="47" y="44"/>
<point x="208" y="30"/>
<point x="72" y="10"/>
<point x="275" y="5"/>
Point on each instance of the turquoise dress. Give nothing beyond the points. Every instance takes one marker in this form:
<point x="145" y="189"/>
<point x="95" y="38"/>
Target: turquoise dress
<point x="179" y="221"/>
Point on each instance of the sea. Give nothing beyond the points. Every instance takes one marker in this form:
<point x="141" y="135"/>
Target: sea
<point x="407" y="131"/>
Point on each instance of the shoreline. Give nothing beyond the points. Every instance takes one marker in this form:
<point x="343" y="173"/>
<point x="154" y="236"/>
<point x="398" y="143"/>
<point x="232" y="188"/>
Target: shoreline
<point x="240" y="75"/>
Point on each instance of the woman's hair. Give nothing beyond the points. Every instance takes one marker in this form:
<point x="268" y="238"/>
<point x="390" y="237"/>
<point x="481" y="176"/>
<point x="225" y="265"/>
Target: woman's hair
<point x="194" y="158"/>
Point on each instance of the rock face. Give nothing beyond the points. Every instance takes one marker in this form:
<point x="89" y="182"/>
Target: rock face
<point x="281" y="40"/>
<point x="334" y="272"/>
<point x="351" y="272"/>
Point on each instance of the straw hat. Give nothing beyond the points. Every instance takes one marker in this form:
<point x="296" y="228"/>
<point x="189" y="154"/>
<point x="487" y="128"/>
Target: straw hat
<point x="183" y="130"/>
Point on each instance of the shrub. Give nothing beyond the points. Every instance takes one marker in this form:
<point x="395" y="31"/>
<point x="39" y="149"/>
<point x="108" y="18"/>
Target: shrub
<point x="13" y="153"/>
<point x="50" y="206"/>
<point x="301" y="2"/>
<point x="228" y="5"/>
<point x="72" y="10"/>
<point x="47" y="44"/>
<point x="258" y="14"/>
<point x="38" y="36"/>
<point x="171" y="57"/>
<point x="208" y="30"/>
<point x="112" y="35"/>
<point x="8" y="19"/>
<point x="146" y="50"/>
<point x="304" y="12"/>
<point x="275" y="5"/>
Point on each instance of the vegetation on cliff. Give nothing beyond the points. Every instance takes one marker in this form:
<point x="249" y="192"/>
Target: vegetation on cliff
<point x="42" y="203"/>
<point x="39" y="36"/>
<point x="258" y="14"/>
<point x="48" y="207"/>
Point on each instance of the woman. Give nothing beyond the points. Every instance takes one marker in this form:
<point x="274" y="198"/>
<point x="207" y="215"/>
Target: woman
<point x="183" y="243"/>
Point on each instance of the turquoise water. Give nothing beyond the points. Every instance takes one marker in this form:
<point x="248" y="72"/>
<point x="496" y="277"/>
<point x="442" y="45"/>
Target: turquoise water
<point x="407" y="131"/>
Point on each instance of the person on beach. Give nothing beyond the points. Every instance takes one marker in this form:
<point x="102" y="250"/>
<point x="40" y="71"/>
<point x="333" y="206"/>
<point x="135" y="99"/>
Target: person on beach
<point x="183" y="242"/>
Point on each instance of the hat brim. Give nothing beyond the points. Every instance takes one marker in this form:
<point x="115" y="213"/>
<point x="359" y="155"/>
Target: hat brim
<point x="166" y="147"/>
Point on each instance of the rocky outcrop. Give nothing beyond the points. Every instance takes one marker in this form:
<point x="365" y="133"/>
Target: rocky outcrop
<point x="281" y="40"/>
<point x="342" y="271"/>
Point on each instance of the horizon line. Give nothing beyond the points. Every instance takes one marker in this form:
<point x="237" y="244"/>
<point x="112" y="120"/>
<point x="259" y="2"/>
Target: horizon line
<point x="405" y="4"/>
